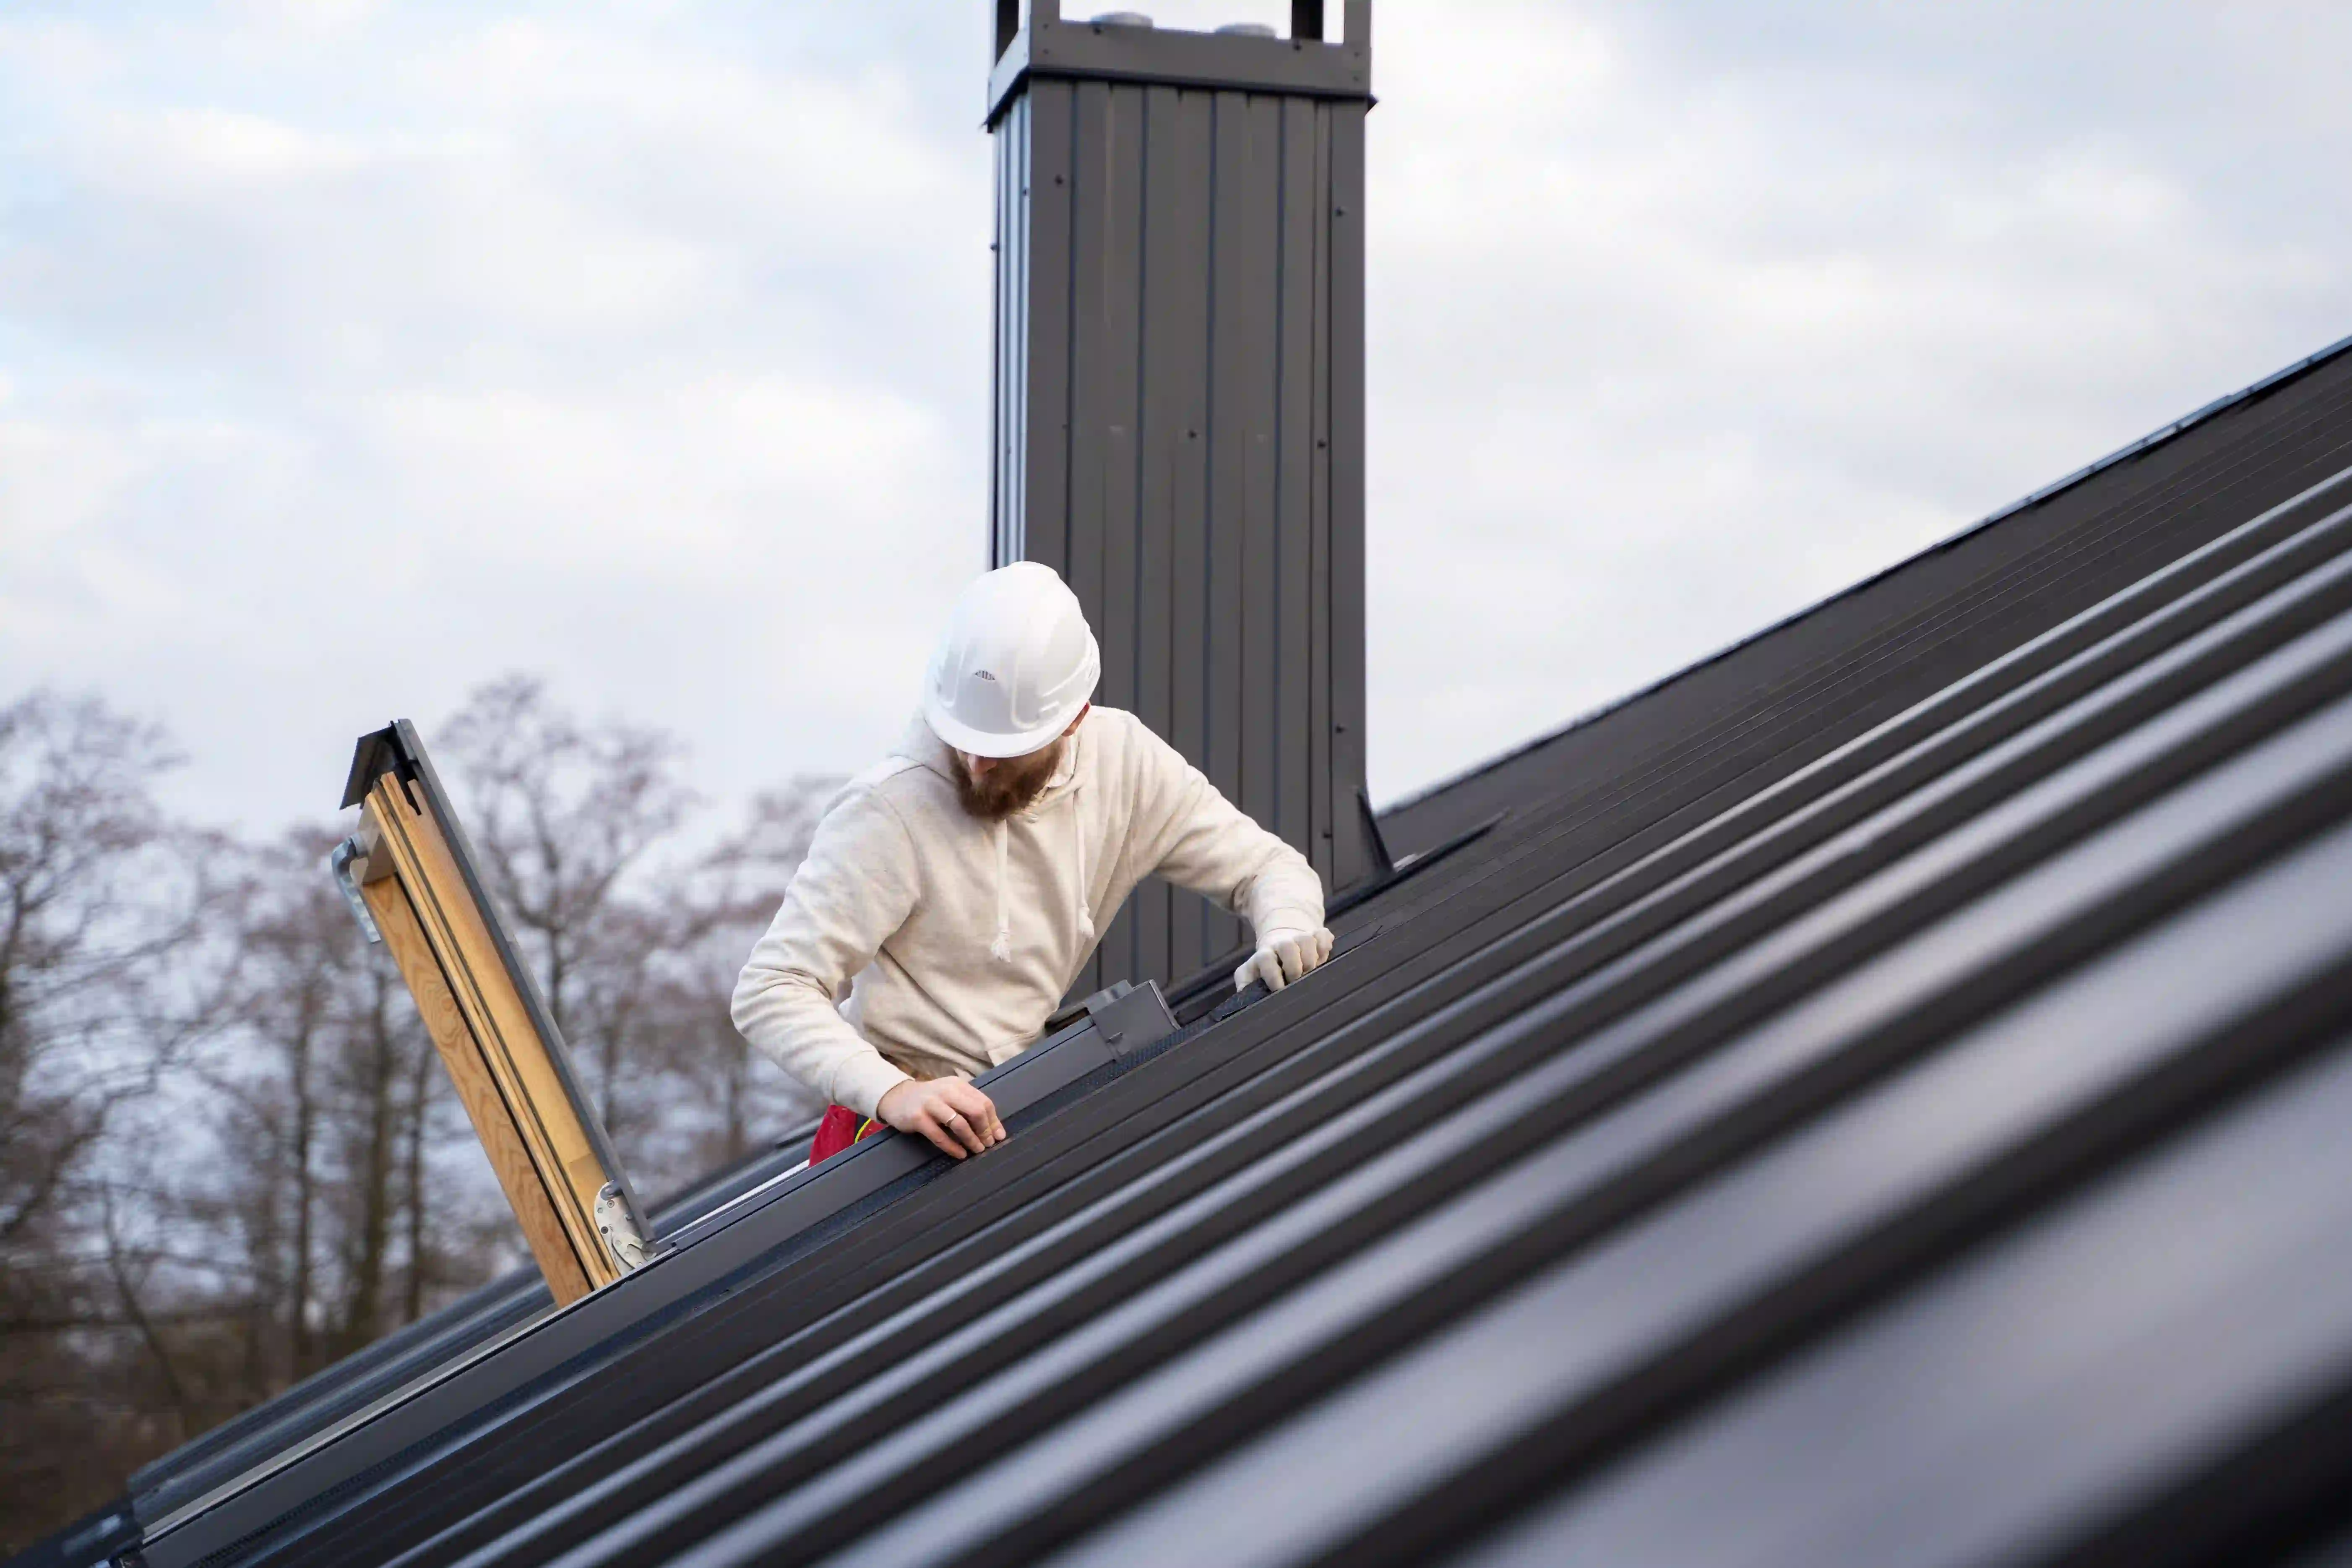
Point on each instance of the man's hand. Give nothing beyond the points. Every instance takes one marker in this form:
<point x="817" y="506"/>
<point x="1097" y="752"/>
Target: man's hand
<point x="947" y="1110"/>
<point x="1282" y="956"/>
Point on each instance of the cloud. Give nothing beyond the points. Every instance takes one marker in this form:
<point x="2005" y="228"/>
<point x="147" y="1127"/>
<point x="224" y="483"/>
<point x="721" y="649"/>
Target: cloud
<point x="352" y="364"/>
<point x="1679" y="332"/>
<point x="351" y="354"/>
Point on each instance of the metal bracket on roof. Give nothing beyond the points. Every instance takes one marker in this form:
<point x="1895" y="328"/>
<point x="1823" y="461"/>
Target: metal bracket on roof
<point x="1384" y="866"/>
<point x="339" y="864"/>
<point x="1130" y="1016"/>
<point x="620" y="1229"/>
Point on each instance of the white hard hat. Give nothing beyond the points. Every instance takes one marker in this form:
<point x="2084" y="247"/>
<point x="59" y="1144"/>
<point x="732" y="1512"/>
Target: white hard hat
<point x="1016" y="664"/>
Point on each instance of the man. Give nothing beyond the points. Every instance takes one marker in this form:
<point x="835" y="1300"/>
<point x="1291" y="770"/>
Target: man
<point x="950" y="897"/>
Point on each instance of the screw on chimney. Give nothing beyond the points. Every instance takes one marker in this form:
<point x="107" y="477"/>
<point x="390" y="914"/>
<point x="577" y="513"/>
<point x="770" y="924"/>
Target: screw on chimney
<point x="1248" y="29"/>
<point x="1123" y="19"/>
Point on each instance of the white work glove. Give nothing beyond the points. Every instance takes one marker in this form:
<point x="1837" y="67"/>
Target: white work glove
<point x="1283" y="955"/>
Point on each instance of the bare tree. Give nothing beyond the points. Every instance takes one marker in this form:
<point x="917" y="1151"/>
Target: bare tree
<point x="229" y="1152"/>
<point x="636" y="946"/>
<point x="562" y="815"/>
<point x="721" y="907"/>
<point x="334" y="1104"/>
<point x="90" y="916"/>
<point x="100" y="900"/>
<point x="289" y="1191"/>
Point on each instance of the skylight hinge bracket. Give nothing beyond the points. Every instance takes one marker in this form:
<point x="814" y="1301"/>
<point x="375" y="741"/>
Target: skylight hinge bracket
<point x="338" y="865"/>
<point x="619" y="1228"/>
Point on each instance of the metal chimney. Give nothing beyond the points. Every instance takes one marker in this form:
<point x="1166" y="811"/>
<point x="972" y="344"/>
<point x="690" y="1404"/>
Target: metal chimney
<point x="1179" y="406"/>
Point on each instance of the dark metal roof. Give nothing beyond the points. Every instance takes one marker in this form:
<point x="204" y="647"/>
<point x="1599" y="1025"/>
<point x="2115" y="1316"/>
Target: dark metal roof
<point x="1879" y="1097"/>
<point x="339" y="1392"/>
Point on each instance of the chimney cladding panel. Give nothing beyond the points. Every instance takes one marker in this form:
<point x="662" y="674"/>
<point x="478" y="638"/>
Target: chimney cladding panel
<point x="1179" y="412"/>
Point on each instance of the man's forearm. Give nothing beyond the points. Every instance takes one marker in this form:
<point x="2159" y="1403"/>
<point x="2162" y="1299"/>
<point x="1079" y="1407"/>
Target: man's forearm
<point x="1285" y="895"/>
<point x="791" y="1021"/>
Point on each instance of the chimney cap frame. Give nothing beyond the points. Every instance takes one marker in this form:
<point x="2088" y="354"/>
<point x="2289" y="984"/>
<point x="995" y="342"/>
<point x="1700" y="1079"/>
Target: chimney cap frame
<point x="1304" y="64"/>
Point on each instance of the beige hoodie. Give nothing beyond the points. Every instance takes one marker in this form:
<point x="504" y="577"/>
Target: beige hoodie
<point x="953" y="940"/>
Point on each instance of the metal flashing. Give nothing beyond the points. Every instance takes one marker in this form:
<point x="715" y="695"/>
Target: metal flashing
<point x="1130" y="1018"/>
<point x="1048" y="47"/>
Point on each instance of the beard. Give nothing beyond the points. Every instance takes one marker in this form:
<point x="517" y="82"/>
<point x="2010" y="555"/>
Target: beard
<point x="1012" y="786"/>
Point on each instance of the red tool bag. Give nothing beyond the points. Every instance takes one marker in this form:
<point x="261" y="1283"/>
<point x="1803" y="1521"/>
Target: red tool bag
<point x="840" y="1128"/>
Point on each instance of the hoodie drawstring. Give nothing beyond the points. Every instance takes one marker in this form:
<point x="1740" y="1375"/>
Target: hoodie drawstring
<point x="1001" y="949"/>
<point x="1078" y="853"/>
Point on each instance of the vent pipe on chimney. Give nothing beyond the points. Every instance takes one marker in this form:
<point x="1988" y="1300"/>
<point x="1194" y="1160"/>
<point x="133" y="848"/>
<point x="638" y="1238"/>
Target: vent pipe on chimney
<point x="1179" y="406"/>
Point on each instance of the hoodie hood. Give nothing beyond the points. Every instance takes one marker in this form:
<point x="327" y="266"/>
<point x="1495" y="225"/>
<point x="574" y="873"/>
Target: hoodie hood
<point x="921" y="745"/>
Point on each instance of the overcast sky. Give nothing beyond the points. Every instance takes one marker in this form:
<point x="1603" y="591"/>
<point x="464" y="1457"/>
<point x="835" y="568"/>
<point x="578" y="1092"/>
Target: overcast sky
<point x="351" y="354"/>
